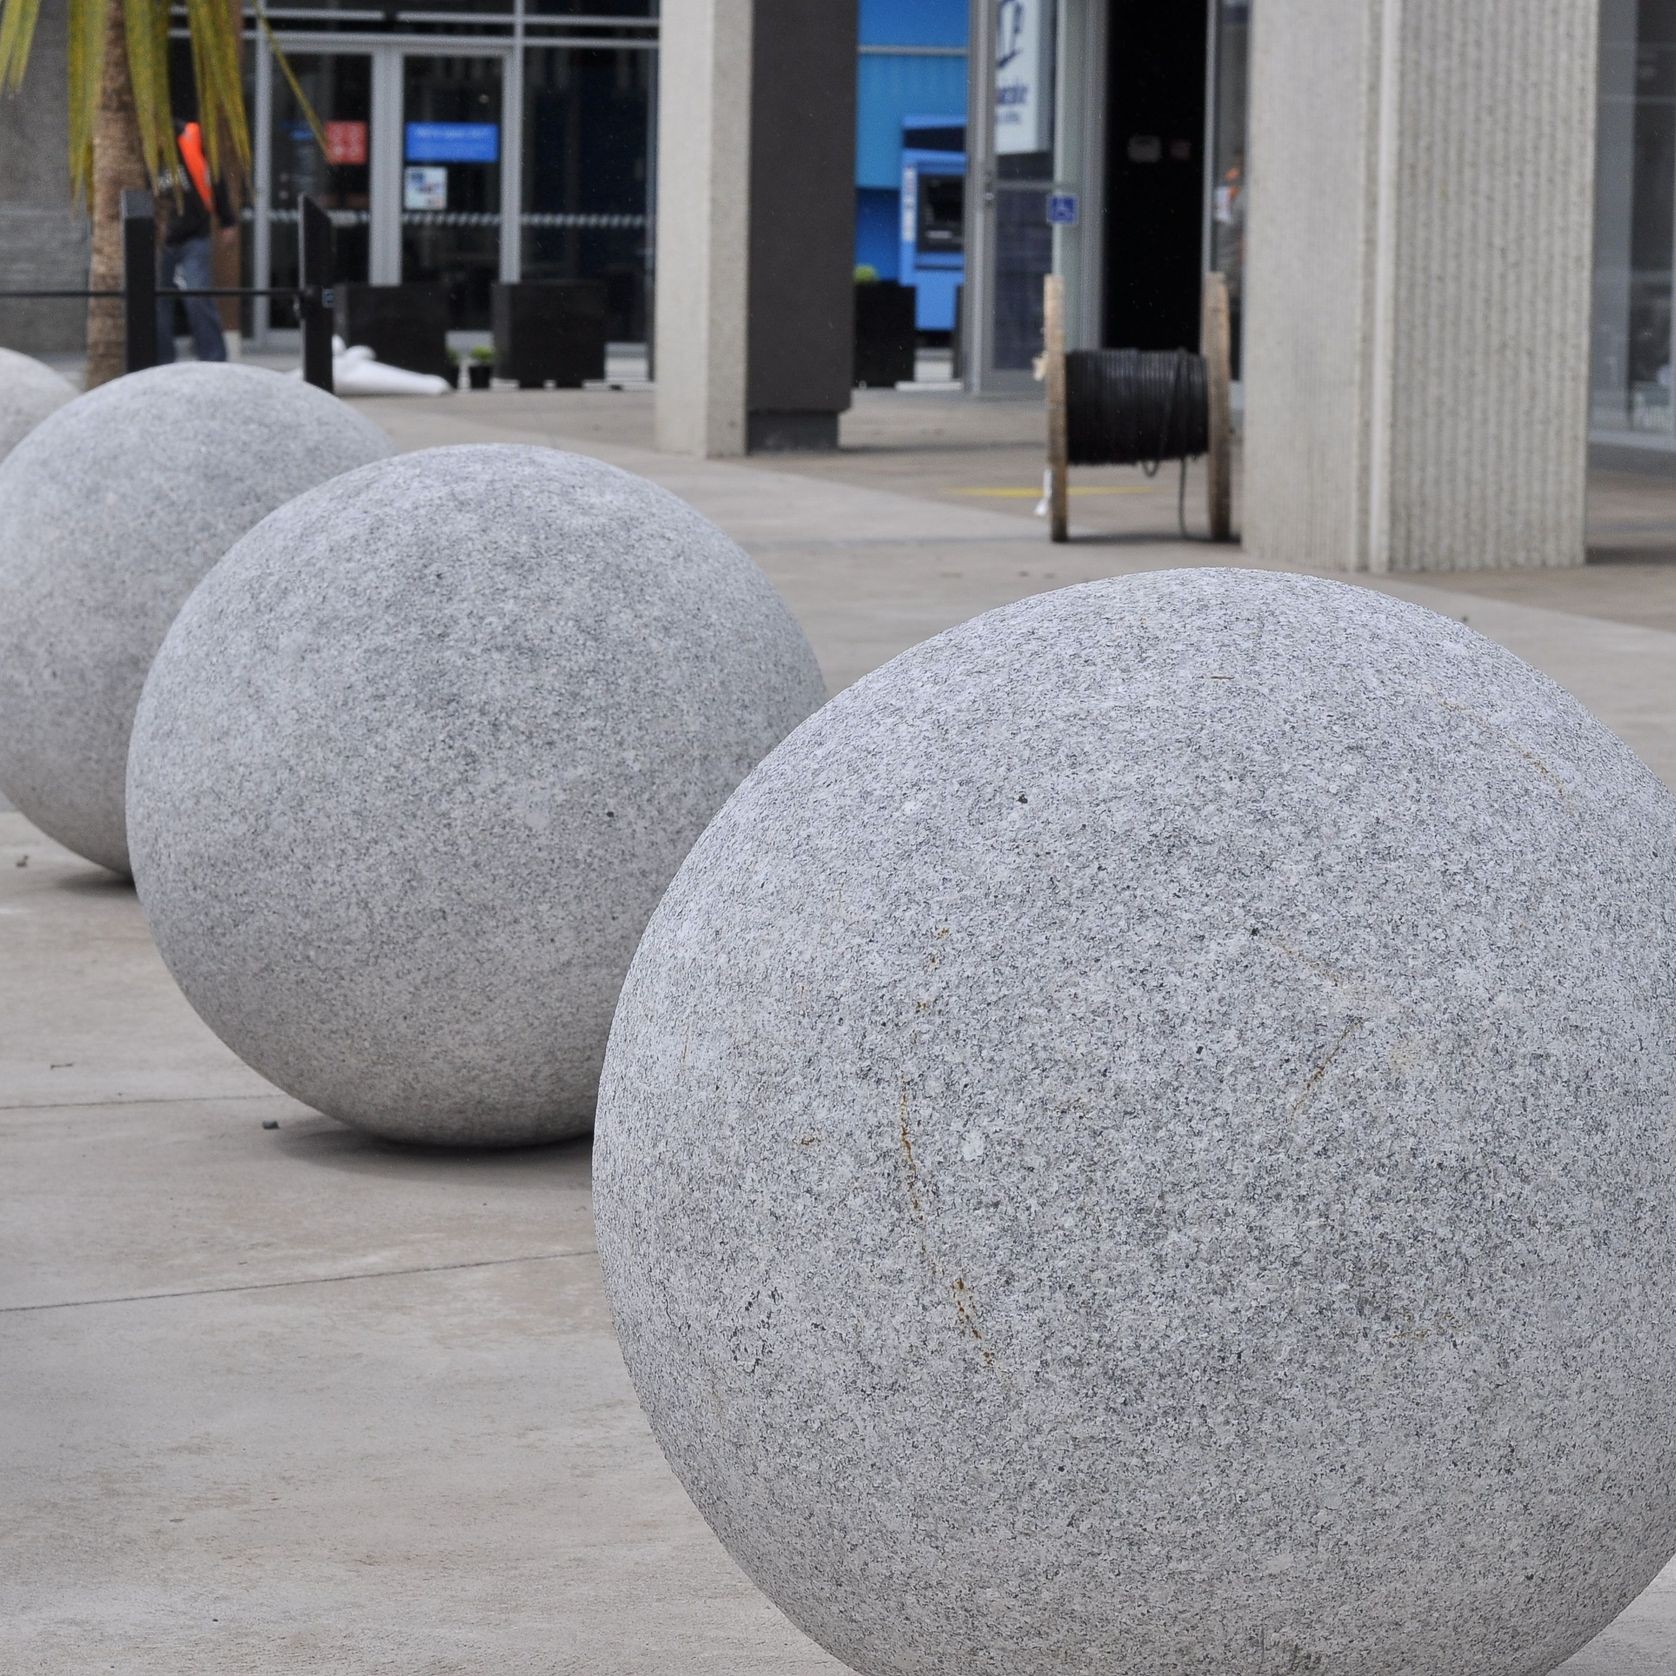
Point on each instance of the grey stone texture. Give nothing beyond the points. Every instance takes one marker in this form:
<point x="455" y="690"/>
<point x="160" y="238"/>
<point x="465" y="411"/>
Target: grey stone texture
<point x="419" y="757"/>
<point x="1419" y="266"/>
<point x="1140" y="1143"/>
<point x="29" y="391"/>
<point x="43" y="230"/>
<point x="111" y="510"/>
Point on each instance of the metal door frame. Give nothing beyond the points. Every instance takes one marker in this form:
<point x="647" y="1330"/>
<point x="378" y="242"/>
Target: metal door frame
<point x="1079" y="166"/>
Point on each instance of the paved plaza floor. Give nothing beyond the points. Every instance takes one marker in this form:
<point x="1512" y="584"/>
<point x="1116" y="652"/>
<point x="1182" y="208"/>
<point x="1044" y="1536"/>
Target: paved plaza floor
<point x="284" y="1399"/>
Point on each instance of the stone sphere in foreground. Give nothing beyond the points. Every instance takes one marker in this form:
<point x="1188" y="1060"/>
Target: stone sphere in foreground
<point x="416" y="762"/>
<point x="1140" y="1143"/>
<point x="29" y="391"/>
<point x="111" y="511"/>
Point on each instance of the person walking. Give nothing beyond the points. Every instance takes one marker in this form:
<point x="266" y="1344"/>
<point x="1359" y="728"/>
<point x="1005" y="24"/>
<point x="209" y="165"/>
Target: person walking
<point x="196" y="206"/>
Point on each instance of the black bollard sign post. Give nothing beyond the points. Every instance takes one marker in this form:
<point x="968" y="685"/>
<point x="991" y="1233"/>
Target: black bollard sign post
<point x="315" y="299"/>
<point x="139" y="280"/>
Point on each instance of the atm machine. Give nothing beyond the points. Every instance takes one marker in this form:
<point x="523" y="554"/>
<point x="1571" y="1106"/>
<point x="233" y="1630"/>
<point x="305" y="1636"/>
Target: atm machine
<point x="933" y="257"/>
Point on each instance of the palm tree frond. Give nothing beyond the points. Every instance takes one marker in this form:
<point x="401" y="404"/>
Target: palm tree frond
<point x="17" y="35"/>
<point x="86" y="64"/>
<point x="147" y="29"/>
<point x="291" y="81"/>
<point x="214" y="28"/>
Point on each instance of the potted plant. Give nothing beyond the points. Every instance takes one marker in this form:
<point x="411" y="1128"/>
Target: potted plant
<point x="482" y="368"/>
<point x="403" y="325"/>
<point x="884" y="330"/>
<point x="550" y="331"/>
<point x="453" y="373"/>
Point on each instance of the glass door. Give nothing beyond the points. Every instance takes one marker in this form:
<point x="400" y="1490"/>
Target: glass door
<point x="339" y="87"/>
<point x="452" y="180"/>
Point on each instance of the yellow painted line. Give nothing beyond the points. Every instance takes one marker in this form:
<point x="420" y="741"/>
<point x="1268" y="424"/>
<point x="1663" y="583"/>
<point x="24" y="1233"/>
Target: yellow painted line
<point x="1075" y="489"/>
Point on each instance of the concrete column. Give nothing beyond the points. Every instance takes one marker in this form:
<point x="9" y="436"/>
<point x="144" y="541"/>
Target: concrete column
<point x="1418" y="280"/>
<point x="755" y="223"/>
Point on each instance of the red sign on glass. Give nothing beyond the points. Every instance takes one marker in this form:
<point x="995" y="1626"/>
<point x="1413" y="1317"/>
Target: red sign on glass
<point x="346" y="143"/>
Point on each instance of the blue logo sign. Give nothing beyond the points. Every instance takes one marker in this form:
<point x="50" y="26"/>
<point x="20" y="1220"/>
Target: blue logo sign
<point x="453" y="142"/>
<point x="1062" y="209"/>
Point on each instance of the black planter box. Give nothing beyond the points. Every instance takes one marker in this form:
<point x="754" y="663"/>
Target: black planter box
<point x="549" y="332"/>
<point x="403" y="325"/>
<point x="884" y="334"/>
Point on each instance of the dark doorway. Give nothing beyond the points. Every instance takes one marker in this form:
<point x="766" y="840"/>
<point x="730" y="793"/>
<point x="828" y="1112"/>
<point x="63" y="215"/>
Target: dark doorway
<point x="1155" y="176"/>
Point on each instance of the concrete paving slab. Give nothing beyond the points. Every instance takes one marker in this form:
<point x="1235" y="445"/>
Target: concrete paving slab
<point x="434" y="1472"/>
<point x="160" y="1203"/>
<point x="285" y="1401"/>
<point x="109" y="1023"/>
<point x="870" y="570"/>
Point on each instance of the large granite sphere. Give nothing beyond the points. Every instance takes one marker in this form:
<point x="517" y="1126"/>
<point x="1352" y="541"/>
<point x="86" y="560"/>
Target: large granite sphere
<point x="29" y="391"/>
<point x="1140" y="1143"/>
<point x="416" y="762"/>
<point x="110" y="512"/>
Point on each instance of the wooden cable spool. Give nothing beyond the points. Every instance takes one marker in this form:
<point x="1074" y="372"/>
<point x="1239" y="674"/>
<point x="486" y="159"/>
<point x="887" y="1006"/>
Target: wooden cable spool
<point x="1213" y="389"/>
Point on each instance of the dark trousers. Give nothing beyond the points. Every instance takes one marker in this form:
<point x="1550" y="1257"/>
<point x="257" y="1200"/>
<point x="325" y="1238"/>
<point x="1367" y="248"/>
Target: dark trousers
<point x="188" y="265"/>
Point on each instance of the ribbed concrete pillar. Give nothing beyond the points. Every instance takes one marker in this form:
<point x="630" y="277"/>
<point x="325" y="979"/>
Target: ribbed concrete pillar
<point x="1418" y="278"/>
<point x="756" y="223"/>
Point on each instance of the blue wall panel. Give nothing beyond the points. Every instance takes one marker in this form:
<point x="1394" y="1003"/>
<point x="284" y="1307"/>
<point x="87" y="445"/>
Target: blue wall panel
<point x="914" y="23"/>
<point x="894" y="86"/>
<point x="878" y="239"/>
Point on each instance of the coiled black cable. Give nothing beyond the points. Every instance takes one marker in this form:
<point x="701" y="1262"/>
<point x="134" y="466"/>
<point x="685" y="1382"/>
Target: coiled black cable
<point x="1137" y="407"/>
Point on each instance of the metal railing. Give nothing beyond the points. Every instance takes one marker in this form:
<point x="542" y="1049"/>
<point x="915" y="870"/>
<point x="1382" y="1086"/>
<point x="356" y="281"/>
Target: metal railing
<point x="313" y="295"/>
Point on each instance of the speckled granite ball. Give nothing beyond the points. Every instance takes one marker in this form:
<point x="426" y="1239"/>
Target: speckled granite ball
<point x="1140" y="1143"/>
<point x="29" y="391"/>
<point x="419" y="757"/>
<point x="110" y="512"/>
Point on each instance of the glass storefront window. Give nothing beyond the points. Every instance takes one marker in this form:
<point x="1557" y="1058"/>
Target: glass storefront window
<point x="591" y="8"/>
<point x="1635" y="219"/>
<point x="587" y="146"/>
<point x="368" y="17"/>
<point x="1232" y="48"/>
<point x="425" y="181"/>
<point x="338" y="86"/>
<point x="451" y="179"/>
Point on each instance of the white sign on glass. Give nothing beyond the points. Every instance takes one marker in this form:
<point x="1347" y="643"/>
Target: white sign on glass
<point x="425" y="187"/>
<point x="1023" y="76"/>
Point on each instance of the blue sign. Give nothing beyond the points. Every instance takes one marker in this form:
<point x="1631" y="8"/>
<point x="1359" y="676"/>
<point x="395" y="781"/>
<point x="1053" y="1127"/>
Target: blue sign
<point x="1062" y="209"/>
<point x="453" y="142"/>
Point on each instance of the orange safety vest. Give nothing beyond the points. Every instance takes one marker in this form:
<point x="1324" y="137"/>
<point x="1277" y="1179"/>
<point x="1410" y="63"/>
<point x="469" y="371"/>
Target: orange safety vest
<point x="191" y="144"/>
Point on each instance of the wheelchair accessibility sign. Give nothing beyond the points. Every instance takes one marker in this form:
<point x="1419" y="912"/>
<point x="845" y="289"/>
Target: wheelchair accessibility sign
<point x="1062" y="209"/>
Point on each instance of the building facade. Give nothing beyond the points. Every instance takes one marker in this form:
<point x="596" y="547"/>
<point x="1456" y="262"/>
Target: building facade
<point x="1153" y="150"/>
<point x="475" y="140"/>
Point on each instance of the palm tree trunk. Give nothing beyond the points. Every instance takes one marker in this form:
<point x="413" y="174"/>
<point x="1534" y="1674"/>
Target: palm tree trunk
<point x="118" y="165"/>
